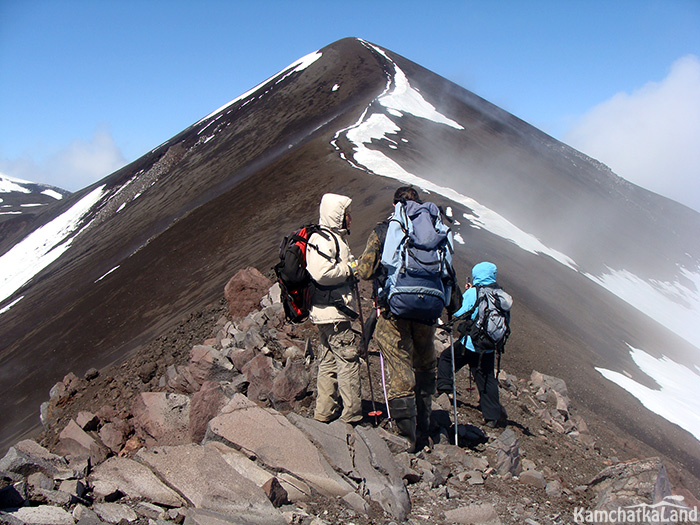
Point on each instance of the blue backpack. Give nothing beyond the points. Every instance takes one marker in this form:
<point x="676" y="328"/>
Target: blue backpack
<point x="417" y="255"/>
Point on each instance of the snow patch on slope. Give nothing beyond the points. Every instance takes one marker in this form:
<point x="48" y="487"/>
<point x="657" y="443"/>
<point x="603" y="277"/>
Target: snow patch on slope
<point x="678" y="397"/>
<point x="52" y="193"/>
<point x="106" y="274"/>
<point x="10" y="184"/>
<point x="378" y="127"/>
<point x="7" y="308"/>
<point x="405" y="99"/>
<point x="673" y="304"/>
<point x="43" y="246"/>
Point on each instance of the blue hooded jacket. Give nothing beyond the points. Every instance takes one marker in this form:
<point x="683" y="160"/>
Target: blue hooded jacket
<point x="483" y="274"/>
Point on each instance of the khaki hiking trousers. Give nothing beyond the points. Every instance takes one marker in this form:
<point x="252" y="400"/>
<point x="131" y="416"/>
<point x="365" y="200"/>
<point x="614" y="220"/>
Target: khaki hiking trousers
<point x="338" y="380"/>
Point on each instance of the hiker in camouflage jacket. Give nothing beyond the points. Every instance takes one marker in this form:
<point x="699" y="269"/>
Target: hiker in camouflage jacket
<point x="407" y="346"/>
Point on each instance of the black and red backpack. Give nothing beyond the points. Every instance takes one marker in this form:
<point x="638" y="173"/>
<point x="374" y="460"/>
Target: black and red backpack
<point x="296" y="285"/>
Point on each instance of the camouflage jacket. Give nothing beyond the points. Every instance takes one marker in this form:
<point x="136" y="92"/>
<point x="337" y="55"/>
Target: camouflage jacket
<point x="369" y="266"/>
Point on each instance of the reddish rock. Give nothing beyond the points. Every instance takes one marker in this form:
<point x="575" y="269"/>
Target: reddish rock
<point x="203" y="477"/>
<point x="75" y="442"/>
<point x="128" y="477"/>
<point x="261" y="375"/>
<point x="277" y="444"/>
<point x="241" y="357"/>
<point x="244" y="290"/>
<point x="290" y="385"/>
<point x="205" y="405"/>
<point x="275" y="492"/>
<point x="533" y="478"/>
<point x="182" y="381"/>
<point x="113" y="435"/>
<point x="208" y="364"/>
<point x="161" y="418"/>
<point x="106" y="413"/>
<point x="87" y="421"/>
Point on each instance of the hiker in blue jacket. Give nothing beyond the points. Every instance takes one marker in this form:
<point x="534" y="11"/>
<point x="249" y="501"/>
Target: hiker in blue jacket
<point x="481" y="362"/>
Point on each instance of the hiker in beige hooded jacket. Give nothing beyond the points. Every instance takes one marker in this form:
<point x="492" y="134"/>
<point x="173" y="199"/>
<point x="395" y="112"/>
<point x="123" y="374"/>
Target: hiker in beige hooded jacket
<point x="328" y="262"/>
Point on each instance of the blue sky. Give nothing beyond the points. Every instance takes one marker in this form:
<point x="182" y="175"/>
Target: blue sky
<point x="87" y="86"/>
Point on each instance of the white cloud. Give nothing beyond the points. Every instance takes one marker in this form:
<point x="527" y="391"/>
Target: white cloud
<point x="650" y="137"/>
<point x="79" y="164"/>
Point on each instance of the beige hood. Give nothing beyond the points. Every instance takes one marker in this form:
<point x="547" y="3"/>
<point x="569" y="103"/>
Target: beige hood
<point x="332" y="210"/>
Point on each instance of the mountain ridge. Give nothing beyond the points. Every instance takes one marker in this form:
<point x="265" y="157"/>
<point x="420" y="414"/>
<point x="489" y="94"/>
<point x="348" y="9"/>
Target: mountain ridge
<point x="221" y="194"/>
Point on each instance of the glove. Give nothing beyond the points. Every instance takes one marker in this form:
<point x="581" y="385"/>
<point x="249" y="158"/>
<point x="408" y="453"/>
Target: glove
<point x="353" y="265"/>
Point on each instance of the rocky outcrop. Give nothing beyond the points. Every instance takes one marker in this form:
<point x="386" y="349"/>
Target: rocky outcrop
<point x="118" y="477"/>
<point x="223" y="439"/>
<point x="631" y="483"/>
<point x="273" y="440"/>
<point x="244" y="290"/>
<point x="208" y="482"/>
<point x="203" y="446"/>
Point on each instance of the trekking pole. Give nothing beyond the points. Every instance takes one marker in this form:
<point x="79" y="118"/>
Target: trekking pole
<point x="386" y="398"/>
<point x="374" y="412"/>
<point x="454" y="385"/>
<point x="376" y="314"/>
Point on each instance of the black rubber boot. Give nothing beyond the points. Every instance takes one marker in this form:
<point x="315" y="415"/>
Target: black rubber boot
<point x="425" y="388"/>
<point x="403" y="413"/>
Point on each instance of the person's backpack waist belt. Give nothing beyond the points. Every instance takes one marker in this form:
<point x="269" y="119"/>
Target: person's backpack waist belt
<point x="332" y="296"/>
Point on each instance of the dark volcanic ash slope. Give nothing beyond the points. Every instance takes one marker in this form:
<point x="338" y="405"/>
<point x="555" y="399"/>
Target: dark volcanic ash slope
<point x="166" y="232"/>
<point x="176" y="223"/>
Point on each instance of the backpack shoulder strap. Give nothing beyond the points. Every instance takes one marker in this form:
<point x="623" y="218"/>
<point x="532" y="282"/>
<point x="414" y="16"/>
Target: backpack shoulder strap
<point x="464" y="322"/>
<point x="334" y="236"/>
<point x="326" y="234"/>
<point x="396" y="232"/>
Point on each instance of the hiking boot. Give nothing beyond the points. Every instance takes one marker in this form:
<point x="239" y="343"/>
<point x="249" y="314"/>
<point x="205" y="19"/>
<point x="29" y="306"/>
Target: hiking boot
<point x="425" y="387"/>
<point x="496" y="423"/>
<point x="501" y="422"/>
<point x="403" y="413"/>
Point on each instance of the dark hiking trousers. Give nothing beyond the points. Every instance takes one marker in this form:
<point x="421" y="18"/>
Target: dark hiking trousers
<point x="482" y="372"/>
